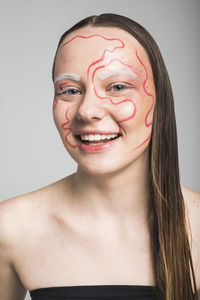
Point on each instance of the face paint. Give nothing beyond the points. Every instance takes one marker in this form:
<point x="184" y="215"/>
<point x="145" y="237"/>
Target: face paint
<point x="150" y="95"/>
<point x="104" y="52"/>
<point x="68" y="129"/>
<point x="105" y="75"/>
<point x="71" y="76"/>
<point x="55" y="102"/>
<point x="77" y="77"/>
<point x="60" y="86"/>
<point x="131" y="108"/>
<point x="110" y="62"/>
<point x="65" y="124"/>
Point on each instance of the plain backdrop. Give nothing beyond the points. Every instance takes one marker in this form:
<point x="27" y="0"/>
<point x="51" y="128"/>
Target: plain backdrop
<point x="31" y="152"/>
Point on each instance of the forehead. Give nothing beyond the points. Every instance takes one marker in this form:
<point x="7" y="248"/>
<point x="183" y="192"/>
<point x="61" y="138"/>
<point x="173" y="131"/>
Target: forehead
<point x="89" y="44"/>
<point x="107" y="32"/>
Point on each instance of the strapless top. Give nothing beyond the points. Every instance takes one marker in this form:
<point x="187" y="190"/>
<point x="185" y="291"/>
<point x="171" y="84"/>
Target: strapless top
<point x="95" y="292"/>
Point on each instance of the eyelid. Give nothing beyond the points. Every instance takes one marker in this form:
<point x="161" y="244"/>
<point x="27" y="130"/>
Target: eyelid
<point x="63" y="88"/>
<point x="60" y="84"/>
<point x="125" y="84"/>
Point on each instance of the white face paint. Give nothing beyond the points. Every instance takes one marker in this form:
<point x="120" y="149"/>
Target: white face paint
<point x="71" y="76"/>
<point x="106" y="74"/>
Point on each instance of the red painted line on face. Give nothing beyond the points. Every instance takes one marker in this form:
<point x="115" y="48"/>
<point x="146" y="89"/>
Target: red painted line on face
<point x="68" y="120"/>
<point x="90" y="36"/>
<point x="108" y="98"/>
<point x="105" y="51"/>
<point x="134" y="110"/>
<point x="66" y="138"/>
<point x="55" y="102"/>
<point x="144" y="87"/>
<point x="103" y="66"/>
<point x="146" y="140"/>
<point x="68" y="129"/>
<point x="62" y="84"/>
<point x="90" y="66"/>
<point x="56" y="99"/>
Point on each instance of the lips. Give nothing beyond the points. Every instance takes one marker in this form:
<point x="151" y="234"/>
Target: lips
<point x="99" y="145"/>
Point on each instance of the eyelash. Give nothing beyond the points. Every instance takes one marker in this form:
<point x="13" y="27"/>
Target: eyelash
<point x="122" y="85"/>
<point x="113" y="88"/>
<point x="67" y="90"/>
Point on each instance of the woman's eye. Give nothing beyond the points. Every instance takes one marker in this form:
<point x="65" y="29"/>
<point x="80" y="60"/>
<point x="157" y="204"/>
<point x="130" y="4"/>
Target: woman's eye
<point x="119" y="87"/>
<point x="68" y="92"/>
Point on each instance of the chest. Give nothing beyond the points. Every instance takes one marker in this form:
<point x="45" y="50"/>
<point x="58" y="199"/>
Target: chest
<point x="65" y="258"/>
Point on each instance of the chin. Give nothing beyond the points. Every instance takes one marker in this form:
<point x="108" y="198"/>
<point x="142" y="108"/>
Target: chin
<point x="108" y="163"/>
<point x="98" y="168"/>
<point x="106" y="167"/>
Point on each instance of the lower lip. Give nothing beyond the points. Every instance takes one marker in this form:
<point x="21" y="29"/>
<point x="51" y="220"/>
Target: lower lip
<point x="98" y="147"/>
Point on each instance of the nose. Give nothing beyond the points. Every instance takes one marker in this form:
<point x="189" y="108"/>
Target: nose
<point x="91" y="108"/>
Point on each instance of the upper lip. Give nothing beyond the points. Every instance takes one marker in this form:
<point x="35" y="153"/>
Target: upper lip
<point x="82" y="132"/>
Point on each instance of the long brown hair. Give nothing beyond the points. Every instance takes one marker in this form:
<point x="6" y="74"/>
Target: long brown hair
<point x="172" y="260"/>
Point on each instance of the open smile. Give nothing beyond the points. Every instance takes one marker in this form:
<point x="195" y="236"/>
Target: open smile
<point x="97" y="142"/>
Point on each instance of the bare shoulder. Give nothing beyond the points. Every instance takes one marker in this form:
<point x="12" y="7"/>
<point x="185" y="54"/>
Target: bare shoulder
<point x="23" y="220"/>
<point x="192" y="203"/>
<point x="12" y="212"/>
<point x="16" y="214"/>
<point x="191" y="197"/>
<point x="11" y="225"/>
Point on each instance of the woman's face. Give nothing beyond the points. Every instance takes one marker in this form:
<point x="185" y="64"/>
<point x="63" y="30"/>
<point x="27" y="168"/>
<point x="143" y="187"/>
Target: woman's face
<point x="104" y="98"/>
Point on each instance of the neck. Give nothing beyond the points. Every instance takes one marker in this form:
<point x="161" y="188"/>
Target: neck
<point x="121" y="196"/>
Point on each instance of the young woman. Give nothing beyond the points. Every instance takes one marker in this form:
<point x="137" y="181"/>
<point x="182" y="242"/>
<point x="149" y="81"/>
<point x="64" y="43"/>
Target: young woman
<point x="121" y="227"/>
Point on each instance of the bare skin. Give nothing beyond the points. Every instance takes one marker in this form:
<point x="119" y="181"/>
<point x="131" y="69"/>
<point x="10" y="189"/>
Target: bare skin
<point x="91" y="228"/>
<point x="42" y="234"/>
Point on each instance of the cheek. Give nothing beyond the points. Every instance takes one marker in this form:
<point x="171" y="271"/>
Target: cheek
<point x="122" y="110"/>
<point x="139" y="129"/>
<point x="58" y="113"/>
<point x="136" y="109"/>
<point x="145" y="105"/>
<point x="63" y="114"/>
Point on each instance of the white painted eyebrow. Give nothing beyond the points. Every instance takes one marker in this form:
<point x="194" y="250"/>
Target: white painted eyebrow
<point x="104" y="75"/>
<point x="71" y="76"/>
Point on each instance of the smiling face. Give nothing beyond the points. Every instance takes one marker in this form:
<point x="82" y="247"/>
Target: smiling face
<point x="104" y="98"/>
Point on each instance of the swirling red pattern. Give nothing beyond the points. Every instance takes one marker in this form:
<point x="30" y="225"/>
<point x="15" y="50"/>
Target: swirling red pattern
<point x="147" y="124"/>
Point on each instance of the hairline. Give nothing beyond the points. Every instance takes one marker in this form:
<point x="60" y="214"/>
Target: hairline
<point x="93" y="25"/>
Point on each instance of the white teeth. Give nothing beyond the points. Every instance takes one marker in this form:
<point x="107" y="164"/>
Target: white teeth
<point x="97" y="137"/>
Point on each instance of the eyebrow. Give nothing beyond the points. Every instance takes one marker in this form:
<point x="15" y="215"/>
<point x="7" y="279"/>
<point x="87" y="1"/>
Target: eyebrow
<point x="71" y="76"/>
<point x="104" y="75"/>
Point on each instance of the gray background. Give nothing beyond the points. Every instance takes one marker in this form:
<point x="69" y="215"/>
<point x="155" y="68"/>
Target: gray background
<point x="31" y="152"/>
